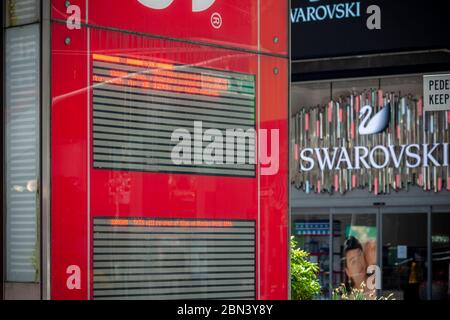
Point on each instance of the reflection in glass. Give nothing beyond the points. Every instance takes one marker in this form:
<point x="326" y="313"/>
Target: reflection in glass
<point x="354" y="251"/>
<point x="440" y="256"/>
<point x="405" y="256"/>
<point x="312" y="233"/>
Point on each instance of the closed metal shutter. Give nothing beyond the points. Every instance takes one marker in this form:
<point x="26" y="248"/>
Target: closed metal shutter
<point x="22" y="153"/>
<point x="173" y="259"/>
<point x="137" y="105"/>
<point x="21" y="12"/>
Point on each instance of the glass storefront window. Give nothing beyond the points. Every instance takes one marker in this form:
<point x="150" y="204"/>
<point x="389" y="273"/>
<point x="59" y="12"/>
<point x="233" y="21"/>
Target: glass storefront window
<point x="333" y="125"/>
<point x="312" y="233"/>
<point x="405" y="255"/>
<point x="440" y="256"/>
<point x="355" y="250"/>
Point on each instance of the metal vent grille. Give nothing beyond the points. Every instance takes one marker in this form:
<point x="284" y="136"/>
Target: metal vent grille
<point x="139" y="104"/>
<point x="21" y="12"/>
<point x="173" y="259"/>
<point x="22" y="152"/>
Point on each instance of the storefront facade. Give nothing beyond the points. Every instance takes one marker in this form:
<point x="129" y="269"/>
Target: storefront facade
<point x="120" y="181"/>
<point x="369" y="173"/>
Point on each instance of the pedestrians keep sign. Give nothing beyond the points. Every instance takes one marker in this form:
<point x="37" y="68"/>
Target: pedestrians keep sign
<point x="436" y="92"/>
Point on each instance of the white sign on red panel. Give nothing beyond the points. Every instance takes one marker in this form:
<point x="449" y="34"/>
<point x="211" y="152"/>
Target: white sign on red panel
<point x="226" y="22"/>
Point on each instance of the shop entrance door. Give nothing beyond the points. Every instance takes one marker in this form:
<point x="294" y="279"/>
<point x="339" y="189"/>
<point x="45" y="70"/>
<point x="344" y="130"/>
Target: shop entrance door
<point x="440" y="253"/>
<point x="405" y="252"/>
<point x="393" y="239"/>
<point x="409" y="245"/>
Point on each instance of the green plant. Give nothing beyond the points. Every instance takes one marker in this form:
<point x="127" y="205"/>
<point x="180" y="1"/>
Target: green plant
<point x="304" y="274"/>
<point x="342" y="293"/>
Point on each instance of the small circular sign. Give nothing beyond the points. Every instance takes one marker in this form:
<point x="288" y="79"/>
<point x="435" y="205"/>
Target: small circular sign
<point x="216" y="20"/>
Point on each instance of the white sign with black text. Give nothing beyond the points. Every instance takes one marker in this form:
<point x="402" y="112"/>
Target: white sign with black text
<point x="436" y="92"/>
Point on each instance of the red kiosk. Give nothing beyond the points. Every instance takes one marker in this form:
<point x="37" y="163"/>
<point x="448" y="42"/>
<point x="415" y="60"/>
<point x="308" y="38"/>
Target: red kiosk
<point x="129" y="222"/>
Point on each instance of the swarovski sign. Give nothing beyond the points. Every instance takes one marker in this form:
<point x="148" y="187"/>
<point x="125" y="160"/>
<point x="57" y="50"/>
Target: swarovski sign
<point x="326" y="12"/>
<point x="336" y="11"/>
<point x="378" y="157"/>
<point x="377" y="124"/>
<point x="371" y="140"/>
<point x="361" y="157"/>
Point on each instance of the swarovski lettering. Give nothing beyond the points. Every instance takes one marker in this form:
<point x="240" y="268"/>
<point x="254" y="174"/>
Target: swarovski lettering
<point x="377" y="157"/>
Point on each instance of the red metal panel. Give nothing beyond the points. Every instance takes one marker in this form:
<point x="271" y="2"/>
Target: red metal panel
<point x="236" y="26"/>
<point x="274" y="116"/>
<point x="69" y="161"/>
<point x="274" y="187"/>
<point x="139" y="194"/>
<point x="171" y="195"/>
<point x="274" y="27"/>
<point x="60" y="11"/>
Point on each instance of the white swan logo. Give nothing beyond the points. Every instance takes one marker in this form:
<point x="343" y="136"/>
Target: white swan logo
<point x="377" y="124"/>
<point x="197" y="5"/>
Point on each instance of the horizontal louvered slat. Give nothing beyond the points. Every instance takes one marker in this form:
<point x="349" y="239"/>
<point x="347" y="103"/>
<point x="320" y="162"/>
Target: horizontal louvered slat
<point x="109" y="90"/>
<point x="168" y="262"/>
<point x="111" y="165"/>
<point x="173" y="290"/>
<point x="176" y="263"/>
<point x="136" y="110"/>
<point x="185" y="72"/>
<point x="173" y="243"/>
<point x="170" y="223"/>
<point x="172" y="257"/>
<point x="157" y="271"/>
<point x="124" y="132"/>
<point x="115" y="97"/>
<point x="169" y="250"/>
<point x="177" y="283"/>
<point x="117" y="230"/>
<point x="232" y="91"/>
<point x="131" y="278"/>
<point x="20" y="12"/>
<point x="143" y="111"/>
<point x="127" y="117"/>
<point x="178" y="236"/>
<point x="199" y="296"/>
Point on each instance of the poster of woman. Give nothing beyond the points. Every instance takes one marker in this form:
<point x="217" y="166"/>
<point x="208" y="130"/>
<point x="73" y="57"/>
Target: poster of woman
<point x="359" y="259"/>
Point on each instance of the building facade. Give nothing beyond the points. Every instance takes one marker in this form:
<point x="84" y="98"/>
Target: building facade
<point x="371" y="144"/>
<point x="131" y="138"/>
<point x="169" y="149"/>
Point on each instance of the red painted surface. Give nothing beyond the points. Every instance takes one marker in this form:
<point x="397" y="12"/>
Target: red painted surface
<point x="69" y="168"/>
<point x="274" y="24"/>
<point x="137" y="194"/>
<point x="274" y="193"/>
<point x="238" y="29"/>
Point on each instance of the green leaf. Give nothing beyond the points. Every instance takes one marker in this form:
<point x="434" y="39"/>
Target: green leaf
<point x="304" y="274"/>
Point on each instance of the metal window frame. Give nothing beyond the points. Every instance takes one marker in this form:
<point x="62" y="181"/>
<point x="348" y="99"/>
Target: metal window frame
<point x="380" y="211"/>
<point x="2" y="204"/>
<point x="45" y="148"/>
